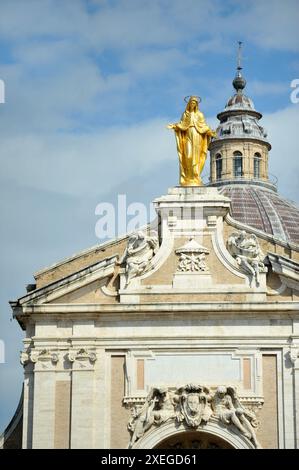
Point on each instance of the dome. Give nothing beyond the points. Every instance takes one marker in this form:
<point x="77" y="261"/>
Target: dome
<point x="264" y="210"/>
<point x="239" y="119"/>
<point x="241" y="126"/>
<point x="239" y="101"/>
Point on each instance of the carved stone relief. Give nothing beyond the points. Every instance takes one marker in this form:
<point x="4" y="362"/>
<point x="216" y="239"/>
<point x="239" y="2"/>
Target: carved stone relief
<point x="44" y="357"/>
<point x="294" y="353"/>
<point x="229" y="411"/>
<point x="140" y="250"/>
<point x="192" y="257"/>
<point x="245" y="249"/>
<point x="82" y="355"/>
<point x="192" y="405"/>
<point x="195" y="405"/>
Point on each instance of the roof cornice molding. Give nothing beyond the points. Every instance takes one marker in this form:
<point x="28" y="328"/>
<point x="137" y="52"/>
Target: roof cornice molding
<point x="68" y="284"/>
<point x="239" y="225"/>
<point x="285" y="267"/>
<point x="158" y="308"/>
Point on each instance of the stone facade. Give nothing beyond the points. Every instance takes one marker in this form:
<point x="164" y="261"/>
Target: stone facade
<point x="196" y="313"/>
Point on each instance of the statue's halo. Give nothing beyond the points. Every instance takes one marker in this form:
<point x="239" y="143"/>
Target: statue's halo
<point x="186" y="99"/>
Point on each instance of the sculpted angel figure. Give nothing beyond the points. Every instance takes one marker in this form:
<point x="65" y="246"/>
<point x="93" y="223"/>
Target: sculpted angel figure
<point x="158" y="408"/>
<point x="140" y="250"/>
<point x="229" y="410"/>
<point x="165" y="407"/>
<point x="193" y="137"/>
<point x="142" y="419"/>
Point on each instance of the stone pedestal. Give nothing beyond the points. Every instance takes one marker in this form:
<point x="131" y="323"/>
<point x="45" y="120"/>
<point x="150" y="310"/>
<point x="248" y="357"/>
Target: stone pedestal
<point x="188" y="210"/>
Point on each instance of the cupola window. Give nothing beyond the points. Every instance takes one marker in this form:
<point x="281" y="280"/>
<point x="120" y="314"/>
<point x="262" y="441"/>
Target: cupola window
<point x="257" y="165"/>
<point x="218" y="160"/>
<point x="238" y="164"/>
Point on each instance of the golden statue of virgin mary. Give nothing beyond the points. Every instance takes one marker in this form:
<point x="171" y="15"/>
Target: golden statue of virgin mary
<point x="193" y="137"/>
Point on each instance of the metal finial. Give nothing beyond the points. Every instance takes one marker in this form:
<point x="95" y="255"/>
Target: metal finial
<point x="239" y="82"/>
<point x="239" y="60"/>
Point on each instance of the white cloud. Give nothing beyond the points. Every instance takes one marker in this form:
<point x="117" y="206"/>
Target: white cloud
<point x="48" y="18"/>
<point x="138" y="23"/>
<point x="74" y="164"/>
<point x="42" y="53"/>
<point x="283" y="161"/>
<point x="275" y="25"/>
<point x="50" y="100"/>
<point x="148" y="63"/>
<point x="56" y="75"/>
<point x="86" y="164"/>
<point x="268" y="88"/>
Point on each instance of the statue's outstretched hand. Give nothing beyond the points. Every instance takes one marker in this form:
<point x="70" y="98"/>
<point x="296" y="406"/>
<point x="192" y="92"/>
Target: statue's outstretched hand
<point x="171" y="126"/>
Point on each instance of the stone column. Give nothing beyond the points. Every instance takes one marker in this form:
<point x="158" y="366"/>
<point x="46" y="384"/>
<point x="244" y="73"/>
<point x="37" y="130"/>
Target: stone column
<point x="82" y="409"/>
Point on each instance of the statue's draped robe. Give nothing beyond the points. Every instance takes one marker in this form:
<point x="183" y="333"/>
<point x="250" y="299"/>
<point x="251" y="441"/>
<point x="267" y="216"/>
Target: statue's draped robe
<point x="193" y="138"/>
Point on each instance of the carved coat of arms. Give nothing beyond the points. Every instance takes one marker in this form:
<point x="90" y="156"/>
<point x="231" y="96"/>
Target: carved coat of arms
<point x="194" y="405"/>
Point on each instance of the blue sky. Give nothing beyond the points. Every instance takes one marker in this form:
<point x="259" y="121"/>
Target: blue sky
<point x="90" y="87"/>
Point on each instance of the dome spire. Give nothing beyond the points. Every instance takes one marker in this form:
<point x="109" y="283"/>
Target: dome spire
<point x="239" y="60"/>
<point x="239" y="82"/>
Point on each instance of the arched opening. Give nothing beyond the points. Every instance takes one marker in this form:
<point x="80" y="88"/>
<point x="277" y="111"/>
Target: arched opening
<point x="218" y="160"/>
<point x="257" y="165"/>
<point x="194" y="440"/>
<point x="212" y="435"/>
<point x="238" y="164"/>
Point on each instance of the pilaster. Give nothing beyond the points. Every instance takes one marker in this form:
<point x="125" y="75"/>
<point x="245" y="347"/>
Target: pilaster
<point x="45" y="363"/>
<point x="82" y="412"/>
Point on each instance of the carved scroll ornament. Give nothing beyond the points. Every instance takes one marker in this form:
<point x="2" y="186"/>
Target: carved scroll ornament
<point x="246" y="250"/>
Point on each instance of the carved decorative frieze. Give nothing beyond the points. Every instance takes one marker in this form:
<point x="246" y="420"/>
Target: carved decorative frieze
<point x="192" y="257"/>
<point x="192" y="405"/>
<point x="253" y="403"/>
<point x="141" y="248"/>
<point x="46" y="357"/>
<point x="246" y="250"/>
